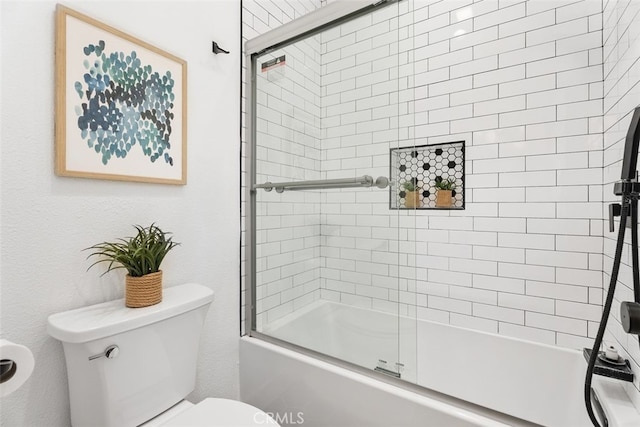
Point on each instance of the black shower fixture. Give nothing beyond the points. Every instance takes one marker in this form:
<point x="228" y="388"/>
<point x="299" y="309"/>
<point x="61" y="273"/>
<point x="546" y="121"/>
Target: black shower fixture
<point x="628" y="189"/>
<point x="630" y="159"/>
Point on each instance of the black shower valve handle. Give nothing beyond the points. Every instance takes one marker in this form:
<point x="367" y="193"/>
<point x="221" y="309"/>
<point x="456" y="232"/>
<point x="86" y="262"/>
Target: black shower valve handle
<point x="614" y="211"/>
<point x="630" y="317"/>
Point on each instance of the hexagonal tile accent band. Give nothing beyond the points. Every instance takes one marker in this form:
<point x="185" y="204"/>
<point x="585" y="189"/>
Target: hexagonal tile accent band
<point x="424" y="166"/>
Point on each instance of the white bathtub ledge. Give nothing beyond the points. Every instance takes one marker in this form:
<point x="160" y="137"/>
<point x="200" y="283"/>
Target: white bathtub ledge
<point x="620" y="410"/>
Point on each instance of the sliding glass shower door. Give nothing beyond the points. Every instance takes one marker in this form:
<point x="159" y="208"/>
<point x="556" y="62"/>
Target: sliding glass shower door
<point x="332" y="228"/>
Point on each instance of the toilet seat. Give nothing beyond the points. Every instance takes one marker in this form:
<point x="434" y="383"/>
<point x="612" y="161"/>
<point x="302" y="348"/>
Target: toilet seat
<point x="213" y="412"/>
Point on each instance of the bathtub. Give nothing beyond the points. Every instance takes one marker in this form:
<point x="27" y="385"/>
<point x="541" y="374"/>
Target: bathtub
<point x="467" y="377"/>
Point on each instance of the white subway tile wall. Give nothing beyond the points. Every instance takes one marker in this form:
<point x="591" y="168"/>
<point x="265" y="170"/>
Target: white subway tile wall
<point x="519" y="83"/>
<point x="288" y="130"/>
<point x="621" y="22"/>
<point x="288" y="149"/>
<point x="522" y="84"/>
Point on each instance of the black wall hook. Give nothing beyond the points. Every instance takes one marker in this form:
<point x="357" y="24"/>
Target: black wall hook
<point x="217" y="49"/>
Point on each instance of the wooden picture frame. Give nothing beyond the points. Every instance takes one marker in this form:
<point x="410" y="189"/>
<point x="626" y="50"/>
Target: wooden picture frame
<point x="121" y="105"/>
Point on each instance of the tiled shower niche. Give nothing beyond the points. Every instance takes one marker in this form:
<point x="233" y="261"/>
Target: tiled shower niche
<point x="423" y="167"/>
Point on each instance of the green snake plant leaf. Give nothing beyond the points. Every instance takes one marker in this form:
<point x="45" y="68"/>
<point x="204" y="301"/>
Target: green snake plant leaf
<point x="139" y="255"/>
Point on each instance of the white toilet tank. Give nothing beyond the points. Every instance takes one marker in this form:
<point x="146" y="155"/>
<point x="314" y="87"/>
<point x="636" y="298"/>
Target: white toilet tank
<point x="152" y="362"/>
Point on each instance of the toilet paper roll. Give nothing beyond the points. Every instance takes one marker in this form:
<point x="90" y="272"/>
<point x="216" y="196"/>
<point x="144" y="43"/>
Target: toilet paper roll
<point x="16" y="366"/>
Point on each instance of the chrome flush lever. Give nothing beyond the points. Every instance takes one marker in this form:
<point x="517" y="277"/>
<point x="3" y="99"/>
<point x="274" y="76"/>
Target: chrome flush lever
<point x="110" y="352"/>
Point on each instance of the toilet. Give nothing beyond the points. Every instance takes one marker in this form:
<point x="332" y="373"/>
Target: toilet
<point x="130" y="367"/>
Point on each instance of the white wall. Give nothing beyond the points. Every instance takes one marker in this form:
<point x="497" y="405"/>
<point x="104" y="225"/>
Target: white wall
<point x="621" y="37"/>
<point x="48" y="220"/>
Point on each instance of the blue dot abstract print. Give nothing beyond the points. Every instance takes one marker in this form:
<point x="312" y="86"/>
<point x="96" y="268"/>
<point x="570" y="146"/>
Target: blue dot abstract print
<point x="125" y="105"/>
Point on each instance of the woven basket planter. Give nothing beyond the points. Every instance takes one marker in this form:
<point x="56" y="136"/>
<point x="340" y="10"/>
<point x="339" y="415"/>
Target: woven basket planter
<point x="444" y="199"/>
<point x="412" y="199"/>
<point x="143" y="291"/>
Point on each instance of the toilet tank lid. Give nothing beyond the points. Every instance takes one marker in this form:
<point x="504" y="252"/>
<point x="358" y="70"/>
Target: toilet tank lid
<point x="102" y="320"/>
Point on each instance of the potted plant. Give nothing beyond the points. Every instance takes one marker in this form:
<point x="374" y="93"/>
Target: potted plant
<point x="141" y="255"/>
<point x="444" y="193"/>
<point x="411" y="193"/>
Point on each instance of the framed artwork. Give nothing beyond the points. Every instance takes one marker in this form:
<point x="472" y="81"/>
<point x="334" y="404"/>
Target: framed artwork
<point x="121" y="105"/>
